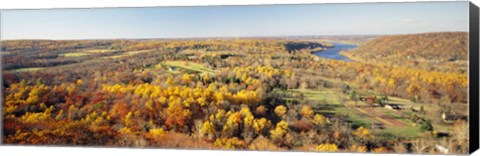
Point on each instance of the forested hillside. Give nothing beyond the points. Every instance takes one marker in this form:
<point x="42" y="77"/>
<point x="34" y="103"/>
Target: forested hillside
<point x="445" y="51"/>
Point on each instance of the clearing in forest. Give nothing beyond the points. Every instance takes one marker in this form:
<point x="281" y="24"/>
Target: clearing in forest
<point x="28" y="69"/>
<point x="191" y="66"/>
<point x="74" y="54"/>
<point x="333" y="102"/>
<point x="328" y="102"/>
<point x="390" y="121"/>
<point x="129" y="53"/>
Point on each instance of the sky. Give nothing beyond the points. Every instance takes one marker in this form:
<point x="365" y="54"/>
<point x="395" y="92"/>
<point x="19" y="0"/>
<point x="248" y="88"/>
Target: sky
<point x="235" y="21"/>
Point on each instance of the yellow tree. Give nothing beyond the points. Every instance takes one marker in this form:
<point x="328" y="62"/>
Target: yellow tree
<point x="362" y="132"/>
<point x="280" y="110"/>
<point x="279" y="132"/>
<point x="170" y="81"/>
<point x="327" y="148"/>
<point x="208" y="130"/>
<point x="307" y="111"/>
<point x="319" y="120"/>
<point x="186" y="78"/>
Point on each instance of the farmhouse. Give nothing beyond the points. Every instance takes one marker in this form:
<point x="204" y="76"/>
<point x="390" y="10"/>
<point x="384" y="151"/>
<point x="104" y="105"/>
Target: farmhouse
<point x="192" y="57"/>
<point x="393" y="106"/>
<point x="172" y="68"/>
<point x="415" y="109"/>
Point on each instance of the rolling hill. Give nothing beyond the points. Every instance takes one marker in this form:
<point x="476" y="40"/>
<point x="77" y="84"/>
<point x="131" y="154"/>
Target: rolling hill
<point x="444" y="51"/>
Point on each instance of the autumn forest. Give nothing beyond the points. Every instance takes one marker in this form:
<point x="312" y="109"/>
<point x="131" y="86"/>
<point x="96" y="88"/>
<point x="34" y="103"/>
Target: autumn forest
<point x="397" y="94"/>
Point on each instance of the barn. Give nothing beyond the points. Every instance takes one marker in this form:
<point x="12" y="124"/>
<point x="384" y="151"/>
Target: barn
<point x="451" y="117"/>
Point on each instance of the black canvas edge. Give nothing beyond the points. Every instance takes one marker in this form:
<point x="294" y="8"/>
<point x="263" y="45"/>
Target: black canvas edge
<point x="473" y="79"/>
<point x="474" y="68"/>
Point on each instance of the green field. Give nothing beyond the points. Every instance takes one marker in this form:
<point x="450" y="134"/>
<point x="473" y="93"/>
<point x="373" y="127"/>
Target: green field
<point x="329" y="102"/>
<point x="98" y="51"/>
<point x="128" y="53"/>
<point x="334" y="102"/>
<point x="28" y="69"/>
<point x="85" y="52"/>
<point x="326" y="96"/>
<point x="186" y="65"/>
<point x="74" y="54"/>
<point x="31" y="69"/>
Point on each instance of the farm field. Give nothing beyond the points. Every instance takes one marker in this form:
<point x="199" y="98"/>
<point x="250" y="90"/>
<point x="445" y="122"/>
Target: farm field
<point x="189" y="66"/>
<point x="358" y="113"/>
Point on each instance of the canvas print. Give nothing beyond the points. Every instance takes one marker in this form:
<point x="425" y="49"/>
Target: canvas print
<point x="365" y="77"/>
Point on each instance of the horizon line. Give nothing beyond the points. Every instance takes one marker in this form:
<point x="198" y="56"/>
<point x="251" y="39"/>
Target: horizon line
<point x="233" y="37"/>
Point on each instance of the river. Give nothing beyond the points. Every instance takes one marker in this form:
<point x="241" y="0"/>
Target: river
<point x="334" y="52"/>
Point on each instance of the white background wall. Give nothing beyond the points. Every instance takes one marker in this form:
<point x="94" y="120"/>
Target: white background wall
<point x="83" y="151"/>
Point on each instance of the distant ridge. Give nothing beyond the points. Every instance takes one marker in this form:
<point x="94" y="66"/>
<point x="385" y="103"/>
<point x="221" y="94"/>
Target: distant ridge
<point x="425" y="50"/>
